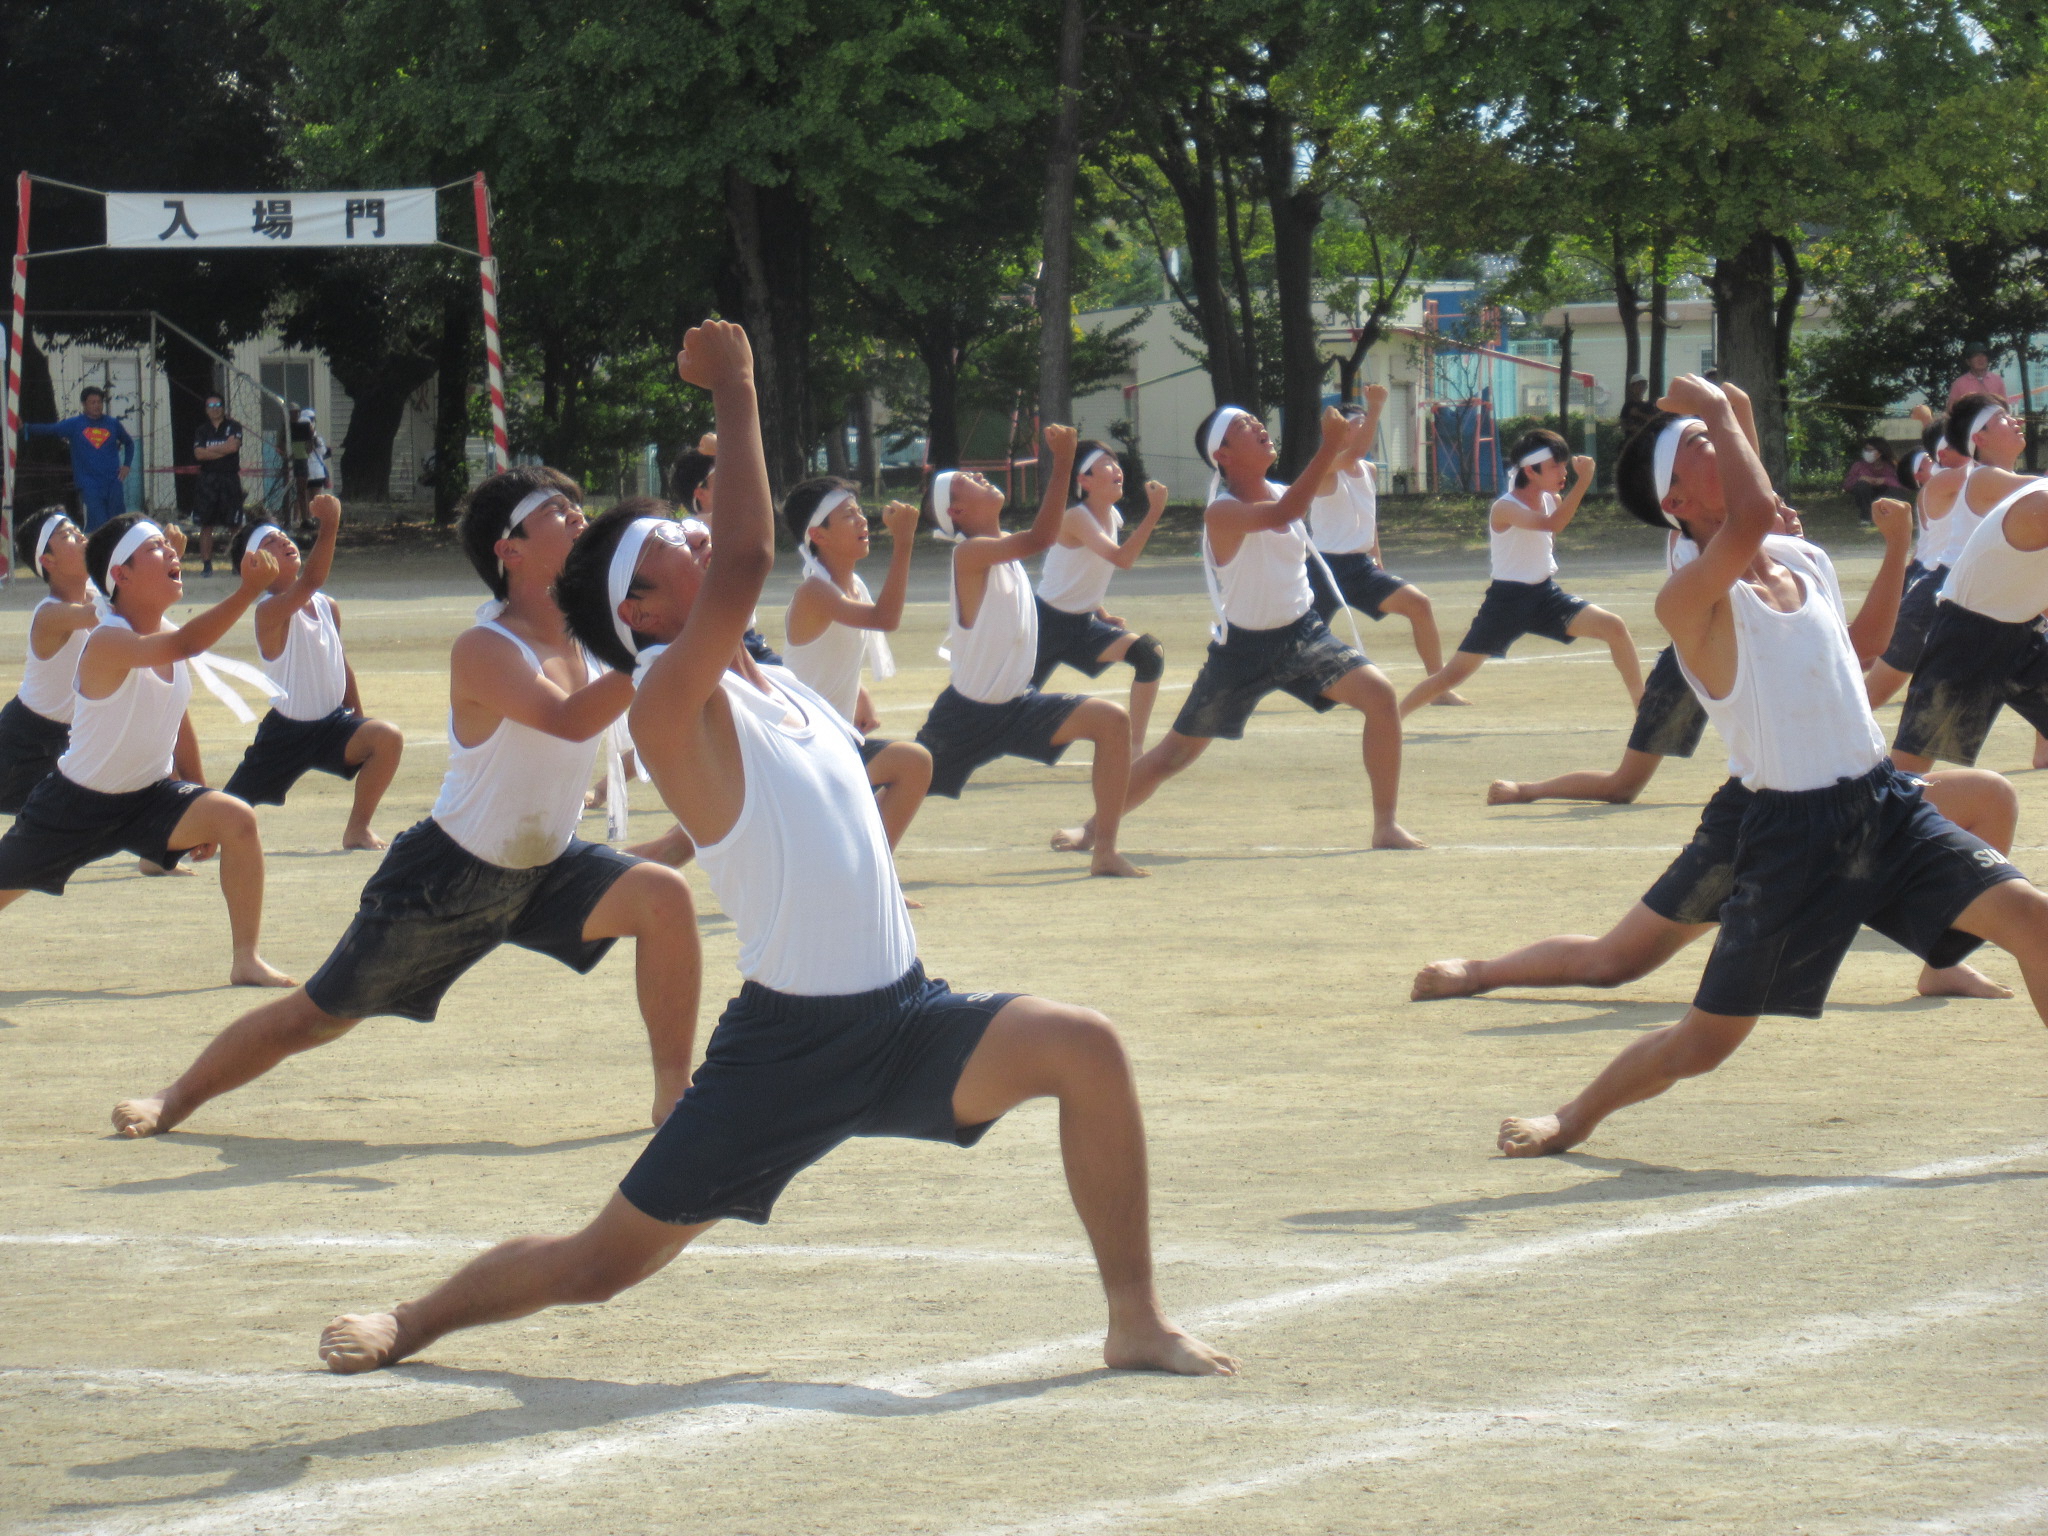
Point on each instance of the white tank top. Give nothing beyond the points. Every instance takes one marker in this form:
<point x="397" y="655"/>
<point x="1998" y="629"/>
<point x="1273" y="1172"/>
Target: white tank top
<point x="993" y="661"/>
<point x="1797" y="717"/>
<point x="46" y="686"/>
<point x="1265" y="586"/>
<point x="805" y="873"/>
<point x="1990" y="577"/>
<point x="1960" y="523"/>
<point x="1933" y="535"/>
<point x="830" y="665"/>
<point x="1076" y="579"/>
<point x="515" y="797"/>
<point x="1521" y="554"/>
<point x="1347" y="521"/>
<point x="124" y="742"/>
<point x="310" y="669"/>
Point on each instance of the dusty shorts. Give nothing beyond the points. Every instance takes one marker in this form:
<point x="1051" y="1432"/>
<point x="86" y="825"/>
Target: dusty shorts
<point x="1695" y="884"/>
<point x="1916" y="617"/>
<point x="1670" y="719"/>
<point x="285" y="750"/>
<point x="1299" y="659"/>
<point x="964" y="734"/>
<point x="62" y="827"/>
<point x="1972" y="668"/>
<point x="1512" y="609"/>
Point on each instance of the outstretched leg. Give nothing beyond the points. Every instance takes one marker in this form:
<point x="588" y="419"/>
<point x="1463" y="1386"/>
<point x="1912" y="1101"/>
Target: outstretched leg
<point x="2014" y="916"/>
<point x="650" y="903"/>
<point x="1637" y="945"/>
<point x="1413" y="604"/>
<point x="1144" y="682"/>
<point x="1105" y="724"/>
<point x="1598" y="624"/>
<point x="231" y="826"/>
<point x="1367" y="690"/>
<point x="1453" y="672"/>
<point x="901" y="774"/>
<point x="1619" y="786"/>
<point x="622" y="1247"/>
<point x="241" y="1053"/>
<point x="377" y="745"/>
<point x="1038" y="1049"/>
<point x="1171" y="756"/>
<point x="1697" y="1043"/>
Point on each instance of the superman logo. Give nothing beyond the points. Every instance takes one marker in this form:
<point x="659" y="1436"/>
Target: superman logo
<point x="99" y="437"/>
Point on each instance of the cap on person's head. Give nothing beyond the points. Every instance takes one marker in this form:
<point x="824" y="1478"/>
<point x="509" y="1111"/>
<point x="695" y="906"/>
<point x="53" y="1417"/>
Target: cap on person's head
<point x="306" y="414"/>
<point x="89" y="391"/>
<point x="1975" y="349"/>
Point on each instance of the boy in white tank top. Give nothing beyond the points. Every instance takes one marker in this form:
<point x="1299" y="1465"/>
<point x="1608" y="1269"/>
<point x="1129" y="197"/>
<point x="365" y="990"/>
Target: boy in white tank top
<point x="1523" y="598"/>
<point x="990" y="709"/>
<point x="838" y="1032"/>
<point x="1833" y="836"/>
<point x="1935" y="497"/>
<point x="319" y="723"/>
<point x="834" y="626"/>
<point x="116" y="786"/>
<point x="35" y="727"/>
<point x="1255" y="554"/>
<point x="1985" y="651"/>
<point x="497" y="861"/>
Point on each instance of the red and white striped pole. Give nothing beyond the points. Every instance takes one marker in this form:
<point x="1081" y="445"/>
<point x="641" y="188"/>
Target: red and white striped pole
<point x="15" y="331"/>
<point x="494" y="356"/>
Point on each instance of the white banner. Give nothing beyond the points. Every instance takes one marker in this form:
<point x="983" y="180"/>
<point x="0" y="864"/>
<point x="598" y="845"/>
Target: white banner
<point x="176" y="220"/>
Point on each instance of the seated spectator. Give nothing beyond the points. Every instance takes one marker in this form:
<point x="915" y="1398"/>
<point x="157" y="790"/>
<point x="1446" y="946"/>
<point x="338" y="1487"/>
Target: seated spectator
<point x="1874" y="474"/>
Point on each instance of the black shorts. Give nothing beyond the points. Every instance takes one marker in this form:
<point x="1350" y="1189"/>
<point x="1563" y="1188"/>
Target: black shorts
<point x="1692" y="889"/>
<point x="1916" y="617"/>
<point x="1972" y="668"/>
<point x="217" y="500"/>
<point x="434" y="909"/>
<point x="1361" y="583"/>
<point x="1300" y="659"/>
<point x="964" y="734"/>
<point x="1512" y="609"/>
<point x="285" y="750"/>
<point x="1815" y="865"/>
<point x="764" y="654"/>
<point x="64" y="826"/>
<point x="870" y="749"/>
<point x="1076" y="640"/>
<point x="30" y="745"/>
<point x="1670" y="719"/>
<point x="786" y="1079"/>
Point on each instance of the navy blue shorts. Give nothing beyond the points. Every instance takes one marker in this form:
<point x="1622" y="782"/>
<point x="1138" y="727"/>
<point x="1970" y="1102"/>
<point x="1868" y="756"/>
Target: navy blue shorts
<point x="1916" y="617"/>
<point x="1512" y="609"/>
<point x="434" y="909"/>
<point x="1670" y="719"/>
<point x="30" y="745"/>
<point x="871" y="748"/>
<point x="1299" y="659"/>
<point x="1972" y="668"/>
<point x="1074" y="640"/>
<point x="1692" y="889"/>
<point x="64" y="826"/>
<point x="285" y="750"/>
<point x="764" y="654"/>
<point x="1812" y="866"/>
<point x="1362" y="583"/>
<point x="964" y="734"/>
<point x="786" y="1079"/>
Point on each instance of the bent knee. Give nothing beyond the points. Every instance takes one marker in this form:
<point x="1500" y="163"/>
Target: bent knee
<point x="1370" y="691"/>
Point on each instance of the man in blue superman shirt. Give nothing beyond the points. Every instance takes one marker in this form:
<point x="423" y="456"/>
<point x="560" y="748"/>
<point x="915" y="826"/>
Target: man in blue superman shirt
<point x="101" y="454"/>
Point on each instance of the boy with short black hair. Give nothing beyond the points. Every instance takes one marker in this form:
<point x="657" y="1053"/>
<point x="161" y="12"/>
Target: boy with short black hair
<point x="35" y="727"/>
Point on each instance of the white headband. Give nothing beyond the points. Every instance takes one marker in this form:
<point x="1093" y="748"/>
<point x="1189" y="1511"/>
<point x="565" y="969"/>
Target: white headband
<point x="829" y="503"/>
<point x="942" y="503"/>
<point x="1219" y="428"/>
<point x="1529" y="460"/>
<point x="137" y="536"/>
<point x="46" y="533"/>
<point x="261" y="532"/>
<point x="1983" y="420"/>
<point x="530" y="504"/>
<point x="1665" y="456"/>
<point x="1088" y="463"/>
<point x="626" y="559"/>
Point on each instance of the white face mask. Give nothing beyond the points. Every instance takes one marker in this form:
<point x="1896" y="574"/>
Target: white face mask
<point x="1870" y="455"/>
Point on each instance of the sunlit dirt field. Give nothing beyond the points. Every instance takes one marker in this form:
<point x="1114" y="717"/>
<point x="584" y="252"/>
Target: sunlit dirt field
<point x="1803" y="1294"/>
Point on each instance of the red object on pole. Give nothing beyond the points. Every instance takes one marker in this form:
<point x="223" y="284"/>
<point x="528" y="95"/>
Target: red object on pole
<point x="14" y="336"/>
<point x="494" y="356"/>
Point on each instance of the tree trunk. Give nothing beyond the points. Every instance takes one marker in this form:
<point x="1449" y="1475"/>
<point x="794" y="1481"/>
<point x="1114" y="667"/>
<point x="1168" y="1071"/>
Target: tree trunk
<point x="1627" y="303"/>
<point x="1781" y="340"/>
<point x="191" y="377"/>
<point x="1746" y="339"/>
<point x="1660" y="297"/>
<point x="864" y="439"/>
<point x="836" y="460"/>
<point x="1240" y="269"/>
<point x="2027" y="406"/>
<point x="1296" y="211"/>
<point x="770" y="228"/>
<point x="1564" y="382"/>
<point x="456" y="364"/>
<point x="942" y="433"/>
<point x="1194" y="188"/>
<point x="1056" y="278"/>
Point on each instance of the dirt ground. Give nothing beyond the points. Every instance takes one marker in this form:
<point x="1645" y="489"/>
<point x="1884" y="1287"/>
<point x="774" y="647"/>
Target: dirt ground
<point x="1804" y="1294"/>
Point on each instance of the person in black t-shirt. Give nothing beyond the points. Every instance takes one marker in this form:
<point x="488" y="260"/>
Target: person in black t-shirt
<point x="217" y="503"/>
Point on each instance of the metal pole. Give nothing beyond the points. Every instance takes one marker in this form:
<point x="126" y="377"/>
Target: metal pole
<point x="494" y="357"/>
<point x="14" y="336"/>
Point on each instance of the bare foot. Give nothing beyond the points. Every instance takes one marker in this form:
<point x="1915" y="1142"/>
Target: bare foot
<point x="1110" y="862"/>
<point x="152" y="868"/>
<point x="672" y="848"/>
<point x="1393" y="836"/>
<point x="1504" y="792"/>
<point x="1073" y="840"/>
<point x="1960" y="981"/>
<point x="365" y="839"/>
<point x="359" y="1342"/>
<point x="1535" y="1136"/>
<point x="915" y="906"/>
<point x="1451" y="699"/>
<point x="1444" y="978"/>
<point x="1163" y="1347"/>
<point x="139" y="1117"/>
<point x="255" y="971"/>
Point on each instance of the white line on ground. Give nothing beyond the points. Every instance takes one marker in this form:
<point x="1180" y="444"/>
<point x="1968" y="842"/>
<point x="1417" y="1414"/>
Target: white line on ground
<point x="1287" y="848"/>
<point x="334" y="1503"/>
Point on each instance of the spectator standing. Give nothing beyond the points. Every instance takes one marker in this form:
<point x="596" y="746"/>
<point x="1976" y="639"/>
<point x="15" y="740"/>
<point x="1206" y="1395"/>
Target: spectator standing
<point x="217" y="500"/>
<point x="1875" y="473"/>
<point x="1977" y="377"/>
<point x="1636" y="409"/>
<point x="318" y="478"/>
<point x="299" y="432"/>
<point x="102" y="453"/>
